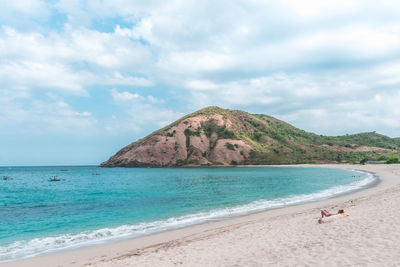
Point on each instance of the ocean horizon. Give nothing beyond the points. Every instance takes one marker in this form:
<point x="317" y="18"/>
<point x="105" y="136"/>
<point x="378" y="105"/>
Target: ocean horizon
<point x="91" y="205"/>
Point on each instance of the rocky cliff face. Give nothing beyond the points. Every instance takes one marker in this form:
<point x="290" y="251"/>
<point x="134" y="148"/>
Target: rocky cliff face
<point x="215" y="136"/>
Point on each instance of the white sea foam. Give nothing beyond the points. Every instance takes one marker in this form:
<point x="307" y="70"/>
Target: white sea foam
<point x="29" y="248"/>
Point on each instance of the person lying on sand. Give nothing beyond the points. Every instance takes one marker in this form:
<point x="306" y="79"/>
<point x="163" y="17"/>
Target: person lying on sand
<point x="329" y="217"/>
<point x="325" y="213"/>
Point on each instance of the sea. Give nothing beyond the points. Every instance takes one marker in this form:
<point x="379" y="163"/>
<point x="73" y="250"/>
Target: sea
<point x="91" y="205"/>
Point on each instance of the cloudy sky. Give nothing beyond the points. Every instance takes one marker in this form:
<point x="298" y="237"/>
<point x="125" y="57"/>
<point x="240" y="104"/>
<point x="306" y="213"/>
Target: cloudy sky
<point x="81" y="79"/>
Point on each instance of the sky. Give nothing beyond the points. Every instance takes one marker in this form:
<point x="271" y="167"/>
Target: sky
<point x="80" y="79"/>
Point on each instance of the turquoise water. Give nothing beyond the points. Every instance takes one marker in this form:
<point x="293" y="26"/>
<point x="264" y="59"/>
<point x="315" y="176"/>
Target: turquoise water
<point x="39" y="216"/>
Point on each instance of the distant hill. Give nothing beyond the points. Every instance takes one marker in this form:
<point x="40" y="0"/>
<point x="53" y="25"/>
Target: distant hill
<point x="216" y="136"/>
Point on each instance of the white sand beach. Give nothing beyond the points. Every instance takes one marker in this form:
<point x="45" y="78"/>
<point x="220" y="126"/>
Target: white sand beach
<point x="290" y="236"/>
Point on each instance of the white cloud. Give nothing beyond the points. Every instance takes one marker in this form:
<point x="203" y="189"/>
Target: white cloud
<point x="28" y="7"/>
<point x="311" y="9"/>
<point x="370" y="113"/>
<point x="143" y="110"/>
<point x="22" y="9"/>
<point x="27" y="75"/>
<point x="109" y="50"/>
<point x="312" y="62"/>
<point x="203" y="85"/>
<point x="118" y="79"/>
<point x="39" y="117"/>
<point x="82" y="12"/>
<point x="124" y="96"/>
<point x="71" y="61"/>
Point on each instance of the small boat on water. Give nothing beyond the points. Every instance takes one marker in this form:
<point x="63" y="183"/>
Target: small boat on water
<point x="54" y="179"/>
<point x="95" y="173"/>
<point x="6" y="177"/>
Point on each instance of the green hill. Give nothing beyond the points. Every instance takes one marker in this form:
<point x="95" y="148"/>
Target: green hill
<point x="215" y="136"/>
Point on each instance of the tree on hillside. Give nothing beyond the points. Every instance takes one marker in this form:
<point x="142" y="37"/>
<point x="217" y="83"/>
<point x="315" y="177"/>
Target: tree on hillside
<point x="392" y="160"/>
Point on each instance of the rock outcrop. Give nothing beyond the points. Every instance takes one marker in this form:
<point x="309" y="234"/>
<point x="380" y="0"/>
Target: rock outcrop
<point x="197" y="140"/>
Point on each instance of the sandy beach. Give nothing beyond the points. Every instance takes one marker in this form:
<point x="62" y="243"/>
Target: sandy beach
<point x="290" y="236"/>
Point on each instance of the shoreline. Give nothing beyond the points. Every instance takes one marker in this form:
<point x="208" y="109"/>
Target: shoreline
<point x="129" y="248"/>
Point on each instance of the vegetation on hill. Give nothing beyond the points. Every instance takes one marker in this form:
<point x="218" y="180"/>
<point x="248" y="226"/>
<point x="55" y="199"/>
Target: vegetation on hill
<point x="397" y="140"/>
<point x="277" y="142"/>
<point x="272" y="141"/>
<point x="393" y="160"/>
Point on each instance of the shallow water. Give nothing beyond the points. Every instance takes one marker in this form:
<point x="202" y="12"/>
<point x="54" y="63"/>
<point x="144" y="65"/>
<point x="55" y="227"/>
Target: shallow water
<point x="40" y="216"/>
